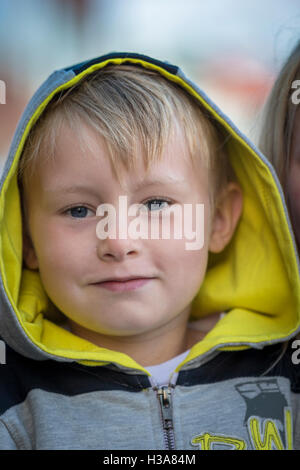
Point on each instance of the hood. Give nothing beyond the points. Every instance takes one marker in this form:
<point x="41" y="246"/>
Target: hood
<point x="255" y="280"/>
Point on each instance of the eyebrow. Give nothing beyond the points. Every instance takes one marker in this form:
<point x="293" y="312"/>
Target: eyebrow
<point x="71" y="189"/>
<point x="144" y="183"/>
<point x="168" y="180"/>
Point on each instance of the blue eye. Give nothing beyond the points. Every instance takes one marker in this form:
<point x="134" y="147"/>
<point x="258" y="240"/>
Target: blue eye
<point x="78" y="212"/>
<point x="155" y="203"/>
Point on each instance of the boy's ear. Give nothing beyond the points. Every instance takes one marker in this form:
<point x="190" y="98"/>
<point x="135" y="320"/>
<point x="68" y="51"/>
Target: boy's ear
<point x="226" y="216"/>
<point x="29" y="256"/>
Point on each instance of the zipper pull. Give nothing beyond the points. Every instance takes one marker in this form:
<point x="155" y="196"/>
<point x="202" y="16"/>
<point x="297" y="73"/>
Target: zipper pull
<point x="164" y="395"/>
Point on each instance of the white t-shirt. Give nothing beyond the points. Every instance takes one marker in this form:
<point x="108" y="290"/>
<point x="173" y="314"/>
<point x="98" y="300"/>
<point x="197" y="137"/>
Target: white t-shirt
<point x="161" y="372"/>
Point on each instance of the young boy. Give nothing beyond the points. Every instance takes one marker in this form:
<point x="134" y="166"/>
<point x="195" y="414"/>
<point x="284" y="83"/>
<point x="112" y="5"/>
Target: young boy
<point x="143" y="342"/>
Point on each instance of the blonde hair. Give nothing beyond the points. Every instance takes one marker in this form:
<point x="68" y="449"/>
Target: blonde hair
<point x="279" y="116"/>
<point x="134" y="110"/>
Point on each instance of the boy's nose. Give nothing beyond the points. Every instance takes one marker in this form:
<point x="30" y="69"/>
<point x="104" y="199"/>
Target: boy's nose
<point x="116" y="237"/>
<point x="116" y="249"/>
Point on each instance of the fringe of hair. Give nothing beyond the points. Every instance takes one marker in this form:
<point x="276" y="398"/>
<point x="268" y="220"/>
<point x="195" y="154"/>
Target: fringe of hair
<point x="135" y="111"/>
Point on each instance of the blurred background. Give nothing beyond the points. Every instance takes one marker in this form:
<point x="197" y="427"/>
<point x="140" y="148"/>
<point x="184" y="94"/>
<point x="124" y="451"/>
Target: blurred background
<point x="232" y="49"/>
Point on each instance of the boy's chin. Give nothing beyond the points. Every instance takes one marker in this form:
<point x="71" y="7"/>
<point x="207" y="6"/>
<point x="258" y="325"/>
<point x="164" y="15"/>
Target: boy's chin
<point x="132" y="330"/>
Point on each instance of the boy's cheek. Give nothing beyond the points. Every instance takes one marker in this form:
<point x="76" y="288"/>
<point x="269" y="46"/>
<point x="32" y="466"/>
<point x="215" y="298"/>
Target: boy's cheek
<point x="52" y="250"/>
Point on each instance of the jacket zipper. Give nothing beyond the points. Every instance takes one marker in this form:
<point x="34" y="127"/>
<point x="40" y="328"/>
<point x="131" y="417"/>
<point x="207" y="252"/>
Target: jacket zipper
<point x="164" y="395"/>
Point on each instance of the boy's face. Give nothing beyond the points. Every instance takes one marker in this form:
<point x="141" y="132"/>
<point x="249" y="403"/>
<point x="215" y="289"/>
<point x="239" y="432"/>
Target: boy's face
<point x="73" y="261"/>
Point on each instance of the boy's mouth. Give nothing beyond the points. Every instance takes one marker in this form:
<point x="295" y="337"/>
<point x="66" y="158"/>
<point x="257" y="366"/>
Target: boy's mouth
<point x="126" y="278"/>
<point x="124" y="284"/>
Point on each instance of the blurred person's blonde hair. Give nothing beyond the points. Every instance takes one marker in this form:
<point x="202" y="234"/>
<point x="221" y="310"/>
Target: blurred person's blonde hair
<point x="278" y="124"/>
<point x="278" y="118"/>
<point x="135" y="110"/>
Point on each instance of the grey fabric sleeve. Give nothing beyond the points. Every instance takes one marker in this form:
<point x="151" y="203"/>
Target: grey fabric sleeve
<point x="6" y="440"/>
